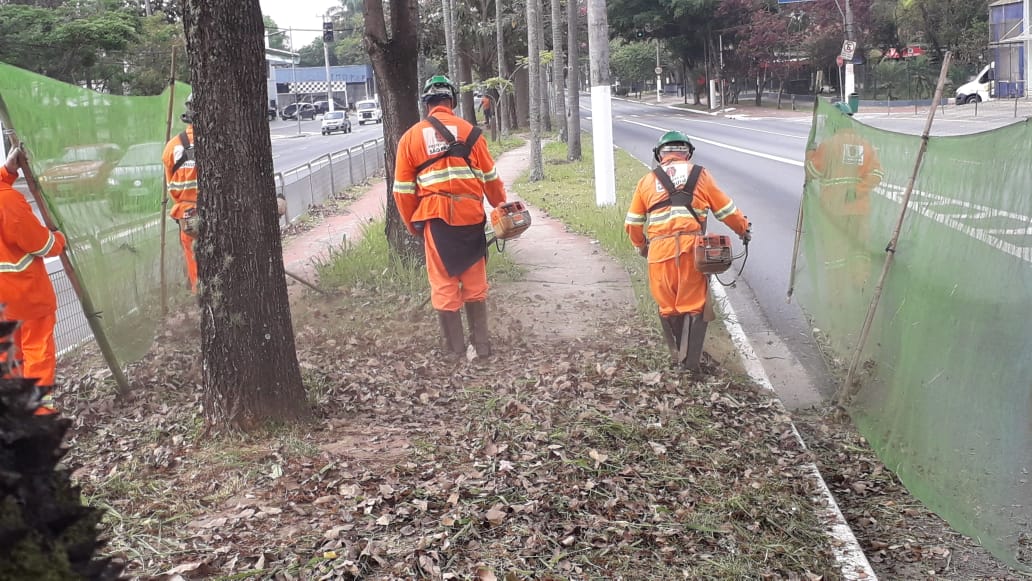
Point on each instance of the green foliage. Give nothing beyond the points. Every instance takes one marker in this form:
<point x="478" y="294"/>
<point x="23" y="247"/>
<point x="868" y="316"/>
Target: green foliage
<point x="631" y="61"/>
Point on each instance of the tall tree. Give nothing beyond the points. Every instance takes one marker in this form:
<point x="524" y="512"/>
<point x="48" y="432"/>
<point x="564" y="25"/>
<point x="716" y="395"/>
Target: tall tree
<point x="537" y="167"/>
<point x="573" y="133"/>
<point x="559" y="66"/>
<point x="502" y="110"/>
<point x="393" y="47"/>
<point x="277" y="41"/>
<point x="250" y="369"/>
<point x="546" y="109"/>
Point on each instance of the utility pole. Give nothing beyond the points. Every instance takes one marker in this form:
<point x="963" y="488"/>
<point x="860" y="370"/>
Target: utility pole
<point x="850" y="87"/>
<point x="293" y="79"/>
<point x="326" y="64"/>
<point x="601" y="105"/>
<point x="659" y="76"/>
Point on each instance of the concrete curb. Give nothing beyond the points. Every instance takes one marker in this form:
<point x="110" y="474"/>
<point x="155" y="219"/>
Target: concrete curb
<point x="847" y="551"/>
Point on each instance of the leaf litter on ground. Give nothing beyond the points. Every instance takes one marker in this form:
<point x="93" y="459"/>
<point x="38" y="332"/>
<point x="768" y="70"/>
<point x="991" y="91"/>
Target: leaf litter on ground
<point x="588" y="459"/>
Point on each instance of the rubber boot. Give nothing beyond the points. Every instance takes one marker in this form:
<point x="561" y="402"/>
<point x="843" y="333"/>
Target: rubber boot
<point x="672" y="334"/>
<point x="451" y="329"/>
<point x="696" y="338"/>
<point x="479" y="336"/>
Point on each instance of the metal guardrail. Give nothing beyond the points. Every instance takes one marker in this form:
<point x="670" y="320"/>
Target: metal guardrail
<point x="303" y="186"/>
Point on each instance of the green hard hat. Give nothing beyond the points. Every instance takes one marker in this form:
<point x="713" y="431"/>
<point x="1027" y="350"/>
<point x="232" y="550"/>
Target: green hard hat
<point x="844" y="107"/>
<point x="440" y="85"/>
<point x="669" y="138"/>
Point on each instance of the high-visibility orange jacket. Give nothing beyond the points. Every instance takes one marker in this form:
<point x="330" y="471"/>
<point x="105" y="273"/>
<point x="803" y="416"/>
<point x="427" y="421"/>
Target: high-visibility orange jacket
<point x="847" y="168"/>
<point x="449" y="189"/>
<point x="182" y="185"/>
<point x="672" y="229"/>
<point x="25" y="288"/>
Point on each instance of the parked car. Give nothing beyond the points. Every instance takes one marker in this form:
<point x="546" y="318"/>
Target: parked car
<point x="135" y="182"/>
<point x="368" y="111"/>
<point x="324" y="106"/>
<point x="335" y="121"/>
<point x="294" y="110"/>
<point x="82" y="170"/>
<point x="979" y="88"/>
<point x="271" y="113"/>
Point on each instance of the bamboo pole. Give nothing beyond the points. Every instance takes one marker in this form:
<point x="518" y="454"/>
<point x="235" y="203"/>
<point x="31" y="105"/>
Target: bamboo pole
<point x="799" y="217"/>
<point x="847" y="390"/>
<point x="92" y="316"/>
<point x="164" y="185"/>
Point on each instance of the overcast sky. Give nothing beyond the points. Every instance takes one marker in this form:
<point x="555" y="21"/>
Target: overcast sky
<point x="304" y="14"/>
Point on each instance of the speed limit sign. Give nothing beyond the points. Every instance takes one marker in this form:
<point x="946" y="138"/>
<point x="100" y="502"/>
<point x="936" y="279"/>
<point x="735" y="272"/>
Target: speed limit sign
<point x="659" y="70"/>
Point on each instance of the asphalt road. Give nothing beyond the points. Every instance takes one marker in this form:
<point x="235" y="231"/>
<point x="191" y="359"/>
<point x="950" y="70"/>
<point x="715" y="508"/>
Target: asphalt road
<point x="292" y="148"/>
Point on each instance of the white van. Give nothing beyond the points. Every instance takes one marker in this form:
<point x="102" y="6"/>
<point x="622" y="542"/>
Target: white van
<point x="980" y="88"/>
<point x="368" y="111"/>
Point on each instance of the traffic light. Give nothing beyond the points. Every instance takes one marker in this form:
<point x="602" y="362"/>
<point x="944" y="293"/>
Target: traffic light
<point x="327" y="34"/>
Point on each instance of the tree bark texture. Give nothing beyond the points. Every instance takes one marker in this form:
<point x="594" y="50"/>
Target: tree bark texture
<point x="250" y="369"/>
<point x="521" y="97"/>
<point x="573" y="131"/>
<point x="469" y="109"/>
<point x="502" y="111"/>
<point x="546" y="95"/>
<point x="393" y="49"/>
<point x="559" y="66"/>
<point x="537" y="169"/>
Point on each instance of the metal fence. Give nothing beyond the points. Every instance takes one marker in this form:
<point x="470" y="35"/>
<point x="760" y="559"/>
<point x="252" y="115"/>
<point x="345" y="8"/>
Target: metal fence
<point x="303" y="187"/>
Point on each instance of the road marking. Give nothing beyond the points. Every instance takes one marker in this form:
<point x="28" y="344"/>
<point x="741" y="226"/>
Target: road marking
<point x="776" y="158"/>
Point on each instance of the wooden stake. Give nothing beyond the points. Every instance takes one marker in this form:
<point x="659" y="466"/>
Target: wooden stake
<point x="92" y="316"/>
<point x="847" y="390"/>
<point x="164" y="185"/>
<point x="799" y="218"/>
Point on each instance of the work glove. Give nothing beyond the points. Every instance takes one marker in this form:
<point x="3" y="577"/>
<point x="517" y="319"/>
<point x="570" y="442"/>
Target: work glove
<point x="644" y="251"/>
<point x="747" y="235"/>
<point x="12" y="160"/>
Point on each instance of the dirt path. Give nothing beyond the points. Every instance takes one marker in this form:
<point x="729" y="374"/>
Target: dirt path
<point x="571" y="288"/>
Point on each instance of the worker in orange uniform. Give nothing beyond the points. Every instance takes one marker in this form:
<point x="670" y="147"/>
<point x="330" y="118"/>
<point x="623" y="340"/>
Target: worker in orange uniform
<point x="847" y="169"/>
<point x="487" y="107"/>
<point x="25" y="287"/>
<point x="181" y="179"/>
<point x="665" y="226"/>
<point x="442" y="173"/>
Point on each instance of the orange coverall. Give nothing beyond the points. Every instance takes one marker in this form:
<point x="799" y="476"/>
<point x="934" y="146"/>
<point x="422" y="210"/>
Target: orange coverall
<point x="451" y="191"/>
<point x="671" y="233"/>
<point x="182" y="188"/>
<point x="25" y="287"/>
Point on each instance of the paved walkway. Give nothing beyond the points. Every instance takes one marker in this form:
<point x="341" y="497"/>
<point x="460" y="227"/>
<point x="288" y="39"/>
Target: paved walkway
<point x="570" y="289"/>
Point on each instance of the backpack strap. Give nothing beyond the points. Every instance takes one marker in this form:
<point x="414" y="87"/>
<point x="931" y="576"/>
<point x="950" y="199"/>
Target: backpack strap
<point x="188" y="155"/>
<point x="456" y="148"/>
<point x="681" y="196"/>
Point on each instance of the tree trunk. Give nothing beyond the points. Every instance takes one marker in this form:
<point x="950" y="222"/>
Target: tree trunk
<point x="502" y="111"/>
<point x="393" y="53"/>
<point x="537" y="168"/>
<point x="521" y="98"/>
<point x="451" y="47"/>
<point x="559" y="67"/>
<point x="546" y="95"/>
<point x="573" y="132"/>
<point x="250" y="369"/>
<point x="469" y="109"/>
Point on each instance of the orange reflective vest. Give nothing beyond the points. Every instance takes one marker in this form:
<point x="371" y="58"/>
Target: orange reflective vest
<point x="449" y="189"/>
<point x="182" y="183"/>
<point x="847" y="168"/>
<point x="25" y="288"/>
<point x="672" y="229"/>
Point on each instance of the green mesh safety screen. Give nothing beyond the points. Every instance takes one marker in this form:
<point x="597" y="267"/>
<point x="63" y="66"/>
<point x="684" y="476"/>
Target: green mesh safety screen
<point x="97" y="160"/>
<point x="945" y="392"/>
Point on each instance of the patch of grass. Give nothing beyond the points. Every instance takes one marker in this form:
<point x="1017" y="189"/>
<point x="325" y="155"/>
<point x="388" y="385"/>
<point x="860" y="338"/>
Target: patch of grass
<point x="568" y="194"/>
<point x="506" y="143"/>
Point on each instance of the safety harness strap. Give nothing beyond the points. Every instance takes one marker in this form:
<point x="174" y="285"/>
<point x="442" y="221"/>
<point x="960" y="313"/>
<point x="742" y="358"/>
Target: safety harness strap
<point x="456" y="148"/>
<point x="188" y="152"/>
<point x="679" y="196"/>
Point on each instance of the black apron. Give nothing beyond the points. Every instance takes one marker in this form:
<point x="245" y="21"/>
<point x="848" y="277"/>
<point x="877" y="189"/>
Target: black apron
<point x="459" y="247"/>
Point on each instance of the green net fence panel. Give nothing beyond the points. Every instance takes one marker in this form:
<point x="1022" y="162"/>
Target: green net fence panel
<point x="944" y="394"/>
<point x="97" y="159"/>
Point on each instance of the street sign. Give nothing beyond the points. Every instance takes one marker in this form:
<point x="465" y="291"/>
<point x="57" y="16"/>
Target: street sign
<point x="848" y="48"/>
<point x="659" y="70"/>
<point x="839" y="61"/>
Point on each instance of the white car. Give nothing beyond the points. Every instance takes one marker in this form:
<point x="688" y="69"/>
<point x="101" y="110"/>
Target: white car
<point x="368" y="111"/>
<point x="979" y="88"/>
<point x="335" y="121"/>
